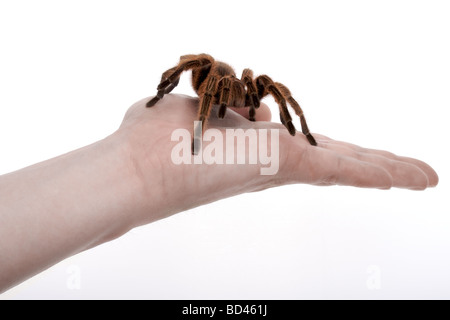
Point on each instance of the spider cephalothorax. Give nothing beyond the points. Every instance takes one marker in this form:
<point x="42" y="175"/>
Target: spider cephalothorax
<point x="216" y="84"/>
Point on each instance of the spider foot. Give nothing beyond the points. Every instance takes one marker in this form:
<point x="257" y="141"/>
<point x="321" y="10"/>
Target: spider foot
<point x="255" y="100"/>
<point x="252" y="113"/>
<point x="290" y="128"/>
<point x="152" y="102"/>
<point x="311" y="139"/>
<point x="195" y="146"/>
<point x="222" y="111"/>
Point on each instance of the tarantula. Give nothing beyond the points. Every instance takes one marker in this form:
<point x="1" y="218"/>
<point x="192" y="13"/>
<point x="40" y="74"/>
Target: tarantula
<point x="216" y="83"/>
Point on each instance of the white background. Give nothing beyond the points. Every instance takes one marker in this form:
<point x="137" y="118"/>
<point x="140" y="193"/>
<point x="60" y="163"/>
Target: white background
<point x="375" y="73"/>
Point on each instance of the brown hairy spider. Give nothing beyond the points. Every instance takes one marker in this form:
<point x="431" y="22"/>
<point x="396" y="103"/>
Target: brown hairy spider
<point x="215" y="83"/>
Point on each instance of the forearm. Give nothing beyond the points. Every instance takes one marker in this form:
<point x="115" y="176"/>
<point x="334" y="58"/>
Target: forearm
<point x="62" y="206"/>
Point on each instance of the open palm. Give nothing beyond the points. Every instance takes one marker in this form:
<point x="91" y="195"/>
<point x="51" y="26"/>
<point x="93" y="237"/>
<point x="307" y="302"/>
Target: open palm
<point x="183" y="186"/>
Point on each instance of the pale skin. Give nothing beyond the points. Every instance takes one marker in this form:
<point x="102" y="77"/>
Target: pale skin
<point x="62" y="206"/>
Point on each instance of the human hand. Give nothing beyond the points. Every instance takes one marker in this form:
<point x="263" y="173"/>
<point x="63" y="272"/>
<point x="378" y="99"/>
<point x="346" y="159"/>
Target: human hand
<point x="96" y="193"/>
<point x="168" y="188"/>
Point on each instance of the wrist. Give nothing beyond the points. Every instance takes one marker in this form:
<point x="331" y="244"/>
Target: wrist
<point x="126" y="187"/>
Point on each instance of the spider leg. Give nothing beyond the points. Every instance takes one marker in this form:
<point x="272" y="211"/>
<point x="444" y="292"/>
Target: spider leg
<point x="171" y="77"/>
<point x="167" y="90"/>
<point x="232" y="91"/>
<point x="252" y="95"/>
<point x="298" y="110"/>
<point x="238" y="93"/>
<point x="206" y="102"/>
<point x="171" y="86"/>
<point x="225" y="95"/>
<point x="266" y="86"/>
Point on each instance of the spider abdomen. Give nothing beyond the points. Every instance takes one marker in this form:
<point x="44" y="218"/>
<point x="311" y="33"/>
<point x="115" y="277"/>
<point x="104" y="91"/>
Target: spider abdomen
<point x="222" y="69"/>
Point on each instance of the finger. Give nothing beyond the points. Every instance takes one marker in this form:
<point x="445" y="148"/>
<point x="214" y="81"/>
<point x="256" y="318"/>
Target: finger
<point x="404" y="174"/>
<point x="326" y="167"/>
<point x="432" y="176"/>
<point x="262" y="113"/>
